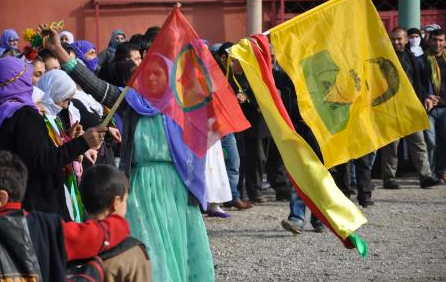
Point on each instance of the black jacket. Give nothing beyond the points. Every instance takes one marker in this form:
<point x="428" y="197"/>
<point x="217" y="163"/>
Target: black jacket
<point x="415" y="75"/>
<point x="250" y="109"/>
<point x="26" y="135"/>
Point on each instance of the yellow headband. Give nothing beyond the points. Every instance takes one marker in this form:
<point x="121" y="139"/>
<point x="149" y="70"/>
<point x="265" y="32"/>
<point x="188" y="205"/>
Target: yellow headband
<point x="15" y="77"/>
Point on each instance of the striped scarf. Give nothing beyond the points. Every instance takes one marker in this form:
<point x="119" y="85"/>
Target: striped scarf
<point x="435" y="72"/>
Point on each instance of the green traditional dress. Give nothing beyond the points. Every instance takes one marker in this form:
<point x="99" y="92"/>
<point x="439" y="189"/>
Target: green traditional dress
<point x="159" y="213"/>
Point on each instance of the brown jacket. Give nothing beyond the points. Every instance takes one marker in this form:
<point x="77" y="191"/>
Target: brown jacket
<point x="133" y="265"/>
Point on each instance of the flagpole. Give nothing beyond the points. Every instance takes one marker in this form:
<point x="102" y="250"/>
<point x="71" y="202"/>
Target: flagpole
<point x="115" y="107"/>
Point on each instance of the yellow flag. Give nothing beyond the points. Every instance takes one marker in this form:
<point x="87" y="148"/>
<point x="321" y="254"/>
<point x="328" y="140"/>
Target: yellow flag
<point x="308" y="175"/>
<point x="351" y="88"/>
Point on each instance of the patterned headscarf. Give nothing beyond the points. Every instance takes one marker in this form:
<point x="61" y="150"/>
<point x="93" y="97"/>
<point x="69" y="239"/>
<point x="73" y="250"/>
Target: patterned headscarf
<point x="16" y="86"/>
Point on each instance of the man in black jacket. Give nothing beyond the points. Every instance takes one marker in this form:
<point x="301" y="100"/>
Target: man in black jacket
<point x="434" y="63"/>
<point x="415" y="141"/>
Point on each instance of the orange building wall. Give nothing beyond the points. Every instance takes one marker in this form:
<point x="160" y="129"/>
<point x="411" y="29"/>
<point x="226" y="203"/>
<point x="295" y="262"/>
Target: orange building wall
<point x="217" y="21"/>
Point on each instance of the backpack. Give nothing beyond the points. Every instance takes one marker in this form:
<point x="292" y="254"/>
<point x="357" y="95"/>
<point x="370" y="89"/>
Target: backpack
<point x="92" y="270"/>
<point x="18" y="260"/>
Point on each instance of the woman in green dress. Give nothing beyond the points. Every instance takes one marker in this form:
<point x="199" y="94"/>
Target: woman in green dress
<point x="167" y="180"/>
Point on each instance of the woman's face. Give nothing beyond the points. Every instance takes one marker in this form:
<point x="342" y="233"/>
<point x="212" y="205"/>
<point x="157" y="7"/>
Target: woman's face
<point x="90" y="55"/>
<point x="135" y="56"/>
<point x="38" y="71"/>
<point x="41" y="108"/>
<point x="13" y="43"/>
<point x="65" y="103"/>
<point x="65" y="39"/>
<point x="119" y="38"/>
<point x="51" y="64"/>
<point x="157" y="79"/>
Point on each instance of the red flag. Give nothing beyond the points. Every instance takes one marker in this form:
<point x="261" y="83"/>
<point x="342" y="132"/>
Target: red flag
<point x="180" y="77"/>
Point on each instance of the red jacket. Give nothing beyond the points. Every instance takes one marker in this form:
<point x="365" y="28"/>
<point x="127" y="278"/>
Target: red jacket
<point x="88" y="239"/>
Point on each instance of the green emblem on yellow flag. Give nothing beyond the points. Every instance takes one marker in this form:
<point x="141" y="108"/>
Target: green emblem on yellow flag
<point x="351" y="88"/>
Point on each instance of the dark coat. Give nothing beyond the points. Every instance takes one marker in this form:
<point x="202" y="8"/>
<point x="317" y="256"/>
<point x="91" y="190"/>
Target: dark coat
<point x="26" y="135"/>
<point x="250" y="109"/>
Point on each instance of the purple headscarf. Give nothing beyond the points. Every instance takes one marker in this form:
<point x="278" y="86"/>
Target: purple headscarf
<point x="16" y="86"/>
<point x="8" y="34"/>
<point x="81" y="47"/>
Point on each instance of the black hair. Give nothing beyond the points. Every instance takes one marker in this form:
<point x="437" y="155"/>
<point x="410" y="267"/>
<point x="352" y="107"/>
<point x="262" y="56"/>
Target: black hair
<point x="222" y="50"/>
<point x="123" y="51"/>
<point x="13" y="176"/>
<point x="68" y="48"/>
<point x="413" y="30"/>
<point x="117" y="73"/>
<point x="151" y="33"/>
<point x="46" y="54"/>
<point x="100" y="185"/>
<point x="437" y="32"/>
<point x="141" y="41"/>
<point x="399" y="28"/>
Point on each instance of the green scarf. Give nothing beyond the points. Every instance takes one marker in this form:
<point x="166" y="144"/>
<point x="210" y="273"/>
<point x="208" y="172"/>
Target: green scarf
<point x="435" y="72"/>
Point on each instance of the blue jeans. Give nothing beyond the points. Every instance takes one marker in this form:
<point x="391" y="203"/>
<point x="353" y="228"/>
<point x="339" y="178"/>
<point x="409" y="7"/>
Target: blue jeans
<point x="232" y="162"/>
<point x="297" y="210"/>
<point x="436" y="140"/>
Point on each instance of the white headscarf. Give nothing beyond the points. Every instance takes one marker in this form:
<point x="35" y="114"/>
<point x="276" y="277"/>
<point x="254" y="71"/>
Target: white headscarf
<point x="37" y="95"/>
<point x="58" y="87"/>
<point x="89" y="102"/>
<point x="67" y="34"/>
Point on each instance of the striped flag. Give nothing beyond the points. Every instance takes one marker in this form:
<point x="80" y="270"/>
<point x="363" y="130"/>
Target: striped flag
<point x="309" y="176"/>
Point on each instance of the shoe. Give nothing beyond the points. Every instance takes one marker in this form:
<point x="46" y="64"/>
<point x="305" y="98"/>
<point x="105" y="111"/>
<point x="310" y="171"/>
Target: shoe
<point x="292" y="226"/>
<point x="443" y="177"/>
<point x="352" y="189"/>
<point x="319" y="227"/>
<point x="285" y="197"/>
<point x="242" y="205"/>
<point x="258" y="200"/>
<point x="391" y="184"/>
<point x="429" y="181"/>
<point x="266" y="185"/>
<point x="218" y="214"/>
<point x="366" y="203"/>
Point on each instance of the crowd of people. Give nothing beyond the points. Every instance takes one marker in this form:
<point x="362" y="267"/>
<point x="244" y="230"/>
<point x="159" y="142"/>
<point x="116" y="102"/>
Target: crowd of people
<point x="78" y="190"/>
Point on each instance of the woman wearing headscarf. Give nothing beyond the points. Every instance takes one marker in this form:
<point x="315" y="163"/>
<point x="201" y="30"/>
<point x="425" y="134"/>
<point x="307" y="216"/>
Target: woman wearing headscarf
<point x="415" y="41"/>
<point x="166" y="179"/>
<point x="86" y="52"/>
<point x="37" y="97"/>
<point x="107" y="55"/>
<point x="10" y="40"/>
<point x="23" y="132"/>
<point x="59" y="90"/>
<point x="66" y="36"/>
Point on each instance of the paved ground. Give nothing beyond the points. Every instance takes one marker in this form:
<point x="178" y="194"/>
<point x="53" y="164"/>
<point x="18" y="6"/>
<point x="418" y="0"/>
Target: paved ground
<point x="406" y="233"/>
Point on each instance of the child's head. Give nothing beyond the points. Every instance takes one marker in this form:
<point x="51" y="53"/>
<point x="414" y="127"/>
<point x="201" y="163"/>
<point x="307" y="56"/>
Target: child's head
<point x="104" y="190"/>
<point x="13" y="178"/>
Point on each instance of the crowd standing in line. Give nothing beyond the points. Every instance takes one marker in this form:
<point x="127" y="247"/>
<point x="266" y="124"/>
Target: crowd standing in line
<point x="78" y="204"/>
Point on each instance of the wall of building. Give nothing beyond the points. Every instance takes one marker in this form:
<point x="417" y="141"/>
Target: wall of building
<point x="216" y="21"/>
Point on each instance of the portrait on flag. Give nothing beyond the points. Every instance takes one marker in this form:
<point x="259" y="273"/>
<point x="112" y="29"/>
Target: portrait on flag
<point x="180" y="77"/>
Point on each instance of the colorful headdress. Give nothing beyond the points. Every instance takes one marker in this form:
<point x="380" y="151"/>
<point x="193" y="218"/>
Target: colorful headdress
<point x="35" y="39"/>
